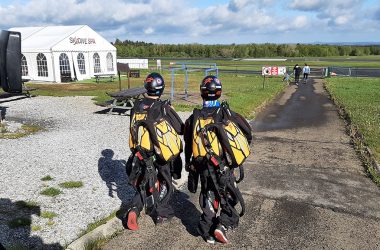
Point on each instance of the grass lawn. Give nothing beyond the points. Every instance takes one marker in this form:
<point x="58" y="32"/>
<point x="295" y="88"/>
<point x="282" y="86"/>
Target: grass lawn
<point x="245" y="93"/>
<point x="344" y="61"/>
<point x="360" y="97"/>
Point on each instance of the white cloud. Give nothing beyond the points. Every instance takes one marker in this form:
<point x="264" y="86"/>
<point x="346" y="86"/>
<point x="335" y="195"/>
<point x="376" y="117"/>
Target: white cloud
<point x="149" y="30"/>
<point x="300" y="22"/>
<point x="342" y="20"/>
<point x="307" y="4"/>
<point x="236" y="5"/>
<point x="180" y="21"/>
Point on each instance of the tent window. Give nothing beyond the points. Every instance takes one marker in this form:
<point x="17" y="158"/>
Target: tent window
<point x="81" y="63"/>
<point x="24" y="66"/>
<point x="109" y="62"/>
<point x="97" y="63"/>
<point x="42" y="65"/>
<point x="64" y="64"/>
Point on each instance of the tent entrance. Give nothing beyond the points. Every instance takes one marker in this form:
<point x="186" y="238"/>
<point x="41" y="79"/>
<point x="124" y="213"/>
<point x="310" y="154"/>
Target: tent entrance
<point x="64" y="68"/>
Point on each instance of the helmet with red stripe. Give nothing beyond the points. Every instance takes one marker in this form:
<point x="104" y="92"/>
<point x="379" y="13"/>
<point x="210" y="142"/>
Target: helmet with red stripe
<point x="154" y="84"/>
<point x="211" y="88"/>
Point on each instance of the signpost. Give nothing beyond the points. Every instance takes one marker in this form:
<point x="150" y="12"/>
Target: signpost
<point x="272" y="71"/>
<point x="125" y="68"/>
<point x="159" y="64"/>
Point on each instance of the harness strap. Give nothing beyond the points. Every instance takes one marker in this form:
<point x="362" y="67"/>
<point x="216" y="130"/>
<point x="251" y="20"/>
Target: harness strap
<point x="147" y="185"/>
<point x="168" y="180"/>
<point x="236" y="192"/>
<point x="226" y="184"/>
<point x="241" y="174"/>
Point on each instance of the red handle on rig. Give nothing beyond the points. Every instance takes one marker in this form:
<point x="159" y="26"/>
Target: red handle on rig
<point x="139" y="156"/>
<point x="214" y="161"/>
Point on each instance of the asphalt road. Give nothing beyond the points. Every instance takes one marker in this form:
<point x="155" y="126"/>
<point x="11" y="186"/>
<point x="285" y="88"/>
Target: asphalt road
<point x="304" y="187"/>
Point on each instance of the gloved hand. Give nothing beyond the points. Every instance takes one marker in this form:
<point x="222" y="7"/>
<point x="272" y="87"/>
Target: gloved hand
<point x="189" y="167"/>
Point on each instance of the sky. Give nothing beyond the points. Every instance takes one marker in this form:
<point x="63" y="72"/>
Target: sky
<point x="206" y="21"/>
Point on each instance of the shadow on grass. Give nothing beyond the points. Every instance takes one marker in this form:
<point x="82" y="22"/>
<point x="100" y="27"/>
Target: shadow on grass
<point x="16" y="226"/>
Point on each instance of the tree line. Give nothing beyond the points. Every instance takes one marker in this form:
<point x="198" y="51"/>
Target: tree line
<point x="129" y="48"/>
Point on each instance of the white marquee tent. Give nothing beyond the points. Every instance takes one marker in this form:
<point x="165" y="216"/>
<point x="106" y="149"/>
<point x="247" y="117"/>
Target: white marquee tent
<point x="62" y="53"/>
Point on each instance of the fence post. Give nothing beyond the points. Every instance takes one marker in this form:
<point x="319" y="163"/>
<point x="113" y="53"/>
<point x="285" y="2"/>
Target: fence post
<point x="172" y="91"/>
<point x="186" y="83"/>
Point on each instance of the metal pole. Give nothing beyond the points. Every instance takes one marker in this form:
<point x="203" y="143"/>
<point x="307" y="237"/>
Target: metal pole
<point x="264" y="82"/>
<point x="172" y="91"/>
<point x="186" y="83"/>
<point x="129" y="82"/>
<point x="118" y="72"/>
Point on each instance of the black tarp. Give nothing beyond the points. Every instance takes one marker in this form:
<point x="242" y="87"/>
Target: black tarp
<point x="10" y="61"/>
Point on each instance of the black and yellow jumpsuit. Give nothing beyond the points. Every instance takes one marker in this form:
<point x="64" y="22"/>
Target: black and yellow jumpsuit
<point x="165" y="170"/>
<point x="208" y="200"/>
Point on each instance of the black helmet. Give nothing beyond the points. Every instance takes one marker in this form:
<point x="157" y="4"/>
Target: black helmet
<point x="154" y="84"/>
<point x="211" y="88"/>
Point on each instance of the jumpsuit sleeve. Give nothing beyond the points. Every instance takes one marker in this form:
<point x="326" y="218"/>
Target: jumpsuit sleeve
<point x="130" y="117"/>
<point x="174" y="119"/>
<point x="188" y="137"/>
<point x="243" y="125"/>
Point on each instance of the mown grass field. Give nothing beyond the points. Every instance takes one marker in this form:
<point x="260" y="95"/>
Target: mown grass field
<point x="352" y="61"/>
<point x="245" y="93"/>
<point x="360" y="97"/>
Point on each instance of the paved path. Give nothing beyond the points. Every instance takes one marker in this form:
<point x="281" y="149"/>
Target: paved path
<point x="304" y="187"/>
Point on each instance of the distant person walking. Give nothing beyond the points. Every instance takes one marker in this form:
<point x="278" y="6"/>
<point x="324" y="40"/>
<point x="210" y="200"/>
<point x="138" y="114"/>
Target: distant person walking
<point x="306" y="72"/>
<point x="297" y="72"/>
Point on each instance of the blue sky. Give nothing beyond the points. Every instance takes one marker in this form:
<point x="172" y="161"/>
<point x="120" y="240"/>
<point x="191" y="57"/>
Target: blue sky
<point x="206" y="21"/>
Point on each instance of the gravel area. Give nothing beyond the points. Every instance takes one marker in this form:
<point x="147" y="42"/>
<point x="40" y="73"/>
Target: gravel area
<point x="77" y="144"/>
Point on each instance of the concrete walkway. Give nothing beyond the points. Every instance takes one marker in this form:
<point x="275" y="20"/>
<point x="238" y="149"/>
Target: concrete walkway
<point x="304" y="187"/>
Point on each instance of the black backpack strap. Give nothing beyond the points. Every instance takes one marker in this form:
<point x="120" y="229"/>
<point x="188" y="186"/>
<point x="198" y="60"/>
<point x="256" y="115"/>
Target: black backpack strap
<point x="172" y="117"/>
<point x="226" y="111"/>
<point x="196" y="115"/>
<point x="239" y="197"/>
<point x="137" y="107"/>
<point x="241" y="174"/>
<point x="240" y="121"/>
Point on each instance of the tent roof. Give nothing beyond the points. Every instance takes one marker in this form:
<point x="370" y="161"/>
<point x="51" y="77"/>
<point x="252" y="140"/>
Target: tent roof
<point x="45" y="38"/>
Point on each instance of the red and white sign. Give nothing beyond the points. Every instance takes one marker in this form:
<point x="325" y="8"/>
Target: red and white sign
<point x="266" y="71"/>
<point x="273" y="71"/>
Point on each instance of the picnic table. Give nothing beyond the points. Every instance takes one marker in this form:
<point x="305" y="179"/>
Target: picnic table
<point x="99" y="76"/>
<point x="124" y="99"/>
<point x="25" y="89"/>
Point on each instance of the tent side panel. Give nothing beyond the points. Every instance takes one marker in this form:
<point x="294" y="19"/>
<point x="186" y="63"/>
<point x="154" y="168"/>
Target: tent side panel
<point x="31" y="59"/>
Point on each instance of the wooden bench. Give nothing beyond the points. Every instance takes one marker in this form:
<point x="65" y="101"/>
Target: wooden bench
<point x="109" y="77"/>
<point x="125" y="99"/>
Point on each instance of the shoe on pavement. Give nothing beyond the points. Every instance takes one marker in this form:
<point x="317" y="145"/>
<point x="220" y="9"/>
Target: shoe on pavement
<point x="220" y="234"/>
<point x="161" y="220"/>
<point x="132" y="220"/>
<point x="210" y="240"/>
